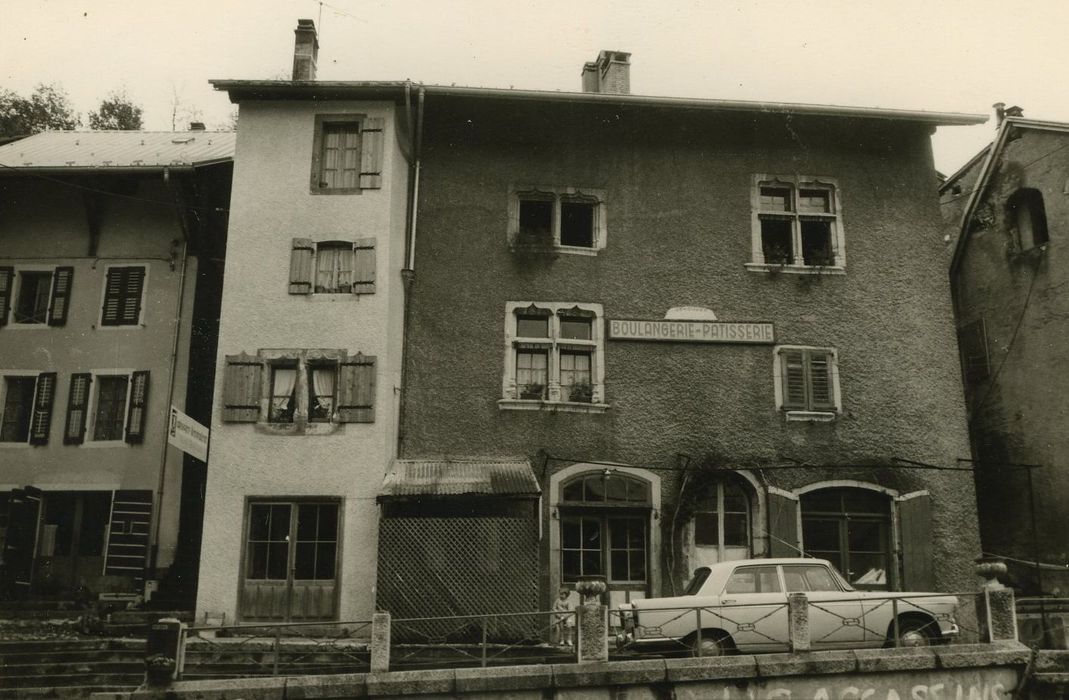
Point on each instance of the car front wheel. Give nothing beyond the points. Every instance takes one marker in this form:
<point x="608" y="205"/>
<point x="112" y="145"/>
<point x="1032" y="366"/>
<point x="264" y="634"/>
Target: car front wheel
<point x="914" y="632"/>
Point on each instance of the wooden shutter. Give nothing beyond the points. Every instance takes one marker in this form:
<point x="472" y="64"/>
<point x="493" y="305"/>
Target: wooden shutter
<point x="77" y="408"/>
<point x="794" y="385"/>
<point x="915" y="523"/>
<point x="135" y="414"/>
<point x="782" y="525"/>
<point x="20" y="541"/>
<point x="371" y="153"/>
<point x="128" y="533"/>
<point x="122" y="296"/>
<point x="41" y="421"/>
<point x="302" y="252"/>
<point x="356" y="390"/>
<point x="241" y="388"/>
<point x="61" y="294"/>
<point x="7" y="282"/>
<point x="364" y="266"/>
<point x="821" y="392"/>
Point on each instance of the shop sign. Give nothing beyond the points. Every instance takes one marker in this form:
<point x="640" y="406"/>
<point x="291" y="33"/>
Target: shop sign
<point x="692" y="331"/>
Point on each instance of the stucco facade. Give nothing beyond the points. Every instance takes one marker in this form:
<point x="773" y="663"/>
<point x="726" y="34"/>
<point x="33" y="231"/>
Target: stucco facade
<point x="64" y="488"/>
<point x="680" y="192"/>
<point x="1007" y="276"/>
<point x="262" y="463"/>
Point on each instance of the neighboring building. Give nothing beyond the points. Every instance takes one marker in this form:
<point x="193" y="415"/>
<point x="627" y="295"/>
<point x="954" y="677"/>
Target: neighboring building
<point x="1007" y="213"/>
<point x="572" y="256"/>
<point x="109" y="244"/>
<point x="309" y="349"/>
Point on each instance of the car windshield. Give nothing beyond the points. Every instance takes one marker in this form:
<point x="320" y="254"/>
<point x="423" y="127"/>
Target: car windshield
<point x="697" y="581"/>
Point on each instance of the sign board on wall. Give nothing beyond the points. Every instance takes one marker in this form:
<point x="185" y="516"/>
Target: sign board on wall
<point x="188" y="435"/>
<point x="692" y="331"/>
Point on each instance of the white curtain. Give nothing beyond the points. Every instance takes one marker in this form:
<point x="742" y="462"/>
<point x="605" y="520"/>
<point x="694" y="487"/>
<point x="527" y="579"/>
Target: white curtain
<point x="334" y="268"/>
<point x="282" y="390"/>
<point x="323" y="382"/>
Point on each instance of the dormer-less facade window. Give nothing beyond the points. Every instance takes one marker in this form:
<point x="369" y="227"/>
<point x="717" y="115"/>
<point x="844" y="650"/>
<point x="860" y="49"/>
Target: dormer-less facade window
<point x="796" y="225"/>
<point x="1028" y="215"/>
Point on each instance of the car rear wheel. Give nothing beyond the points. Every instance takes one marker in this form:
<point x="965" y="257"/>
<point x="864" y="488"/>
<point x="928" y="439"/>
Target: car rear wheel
<point x="915" y="632"/>
<point x="710" y="643"/>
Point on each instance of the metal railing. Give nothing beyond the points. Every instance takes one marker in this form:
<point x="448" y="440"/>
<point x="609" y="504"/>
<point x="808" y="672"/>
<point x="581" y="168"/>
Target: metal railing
<point x="277" y="647"/>
<point x="484" y="640"/>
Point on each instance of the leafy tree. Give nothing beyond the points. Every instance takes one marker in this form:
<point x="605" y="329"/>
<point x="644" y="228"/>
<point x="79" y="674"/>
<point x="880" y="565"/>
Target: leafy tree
<point x="48" y="107"/>
<point x="116" y="112"/>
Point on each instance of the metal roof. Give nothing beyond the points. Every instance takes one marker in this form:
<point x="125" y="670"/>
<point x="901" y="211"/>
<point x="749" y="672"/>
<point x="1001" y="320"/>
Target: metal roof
<point x="118" y="150"/>
<point x="370" y="90"/>
<point x="457" y="477"/>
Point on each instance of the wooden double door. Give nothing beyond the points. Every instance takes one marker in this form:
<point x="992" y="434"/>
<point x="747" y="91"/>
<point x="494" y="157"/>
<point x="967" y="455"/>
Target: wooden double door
<point x="291" y="561"/>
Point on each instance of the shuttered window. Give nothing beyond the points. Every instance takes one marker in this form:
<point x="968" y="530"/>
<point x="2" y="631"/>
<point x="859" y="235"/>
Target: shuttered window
<point x="332" y="267"/>
<point x="241" y="388"/>
<point x="62" y="282"/>
<point x="122" y="296"/>
<point x="347" y="154"/>
<point x="135" y="417"/>
<point x="35" y="296"/>
<point x="17" y="408"/>
<point x="41" y="421"/>
<point x="807" y="379"/>
<point x="77" y="408"/>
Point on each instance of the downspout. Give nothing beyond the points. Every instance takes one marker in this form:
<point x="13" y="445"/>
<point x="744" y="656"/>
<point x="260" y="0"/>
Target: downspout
<point x="408" y="273"/>
<point x="179" y="307"/>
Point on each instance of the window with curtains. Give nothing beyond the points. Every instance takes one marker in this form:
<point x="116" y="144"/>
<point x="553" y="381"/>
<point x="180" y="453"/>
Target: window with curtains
<point x="554" y="355"/>
<point x="807" y="382"/>
<point x="332" y="267"/>
<point x="307" y="390"/>
<point x="347" y="154"/>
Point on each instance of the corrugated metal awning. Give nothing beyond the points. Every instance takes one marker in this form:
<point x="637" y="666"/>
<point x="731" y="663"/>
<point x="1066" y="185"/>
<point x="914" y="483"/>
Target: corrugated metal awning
<point x="459" y="477"/>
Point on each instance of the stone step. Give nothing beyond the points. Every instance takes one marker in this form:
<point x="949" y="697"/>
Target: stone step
<point x="71" y="692"/>
<point x="65" y="680"/>
<point x="62" y="674"/>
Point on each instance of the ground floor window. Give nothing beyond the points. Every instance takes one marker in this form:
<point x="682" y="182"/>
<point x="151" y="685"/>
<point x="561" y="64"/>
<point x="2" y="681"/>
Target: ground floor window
<point x="612" y="547"/>
<point x="851" y="528"/>
<point x="721" y="525"/>
<point x="291" y="560"/>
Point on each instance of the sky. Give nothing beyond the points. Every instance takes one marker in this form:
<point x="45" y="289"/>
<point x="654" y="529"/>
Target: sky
<point x="939" y="55"/>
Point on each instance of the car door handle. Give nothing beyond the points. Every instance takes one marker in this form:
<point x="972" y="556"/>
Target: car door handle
<point x="727" y="602"/>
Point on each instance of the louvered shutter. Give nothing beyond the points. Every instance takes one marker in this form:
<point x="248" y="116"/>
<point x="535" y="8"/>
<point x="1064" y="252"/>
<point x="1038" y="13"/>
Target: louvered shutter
<point x="135" y="415"/>
<point x="371" y="153"/>
<point x="41" y="421"/>
<point x="302" y="252"/>
<point x="794" y="386"/>
<point x="77" y="407"/>
<point x="241" y="388"/>
<point x="364" y="266"/>
<point x="132" y="286"/>
<point x="356" y="390"/>
<point x="7" y="280"/>
<point x="782" y="525"/>
<point x="915" y="521"/>
<point x="821" y="394"/>
<point x="20" y="541"/>
<point x="61" y="293"/>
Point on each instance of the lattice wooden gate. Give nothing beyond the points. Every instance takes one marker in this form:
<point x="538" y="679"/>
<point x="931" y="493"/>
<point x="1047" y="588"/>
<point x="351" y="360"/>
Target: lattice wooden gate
<point x="431" y="567"/>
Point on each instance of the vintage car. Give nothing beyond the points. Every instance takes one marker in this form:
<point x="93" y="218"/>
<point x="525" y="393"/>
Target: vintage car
<point x="741" y="606"/>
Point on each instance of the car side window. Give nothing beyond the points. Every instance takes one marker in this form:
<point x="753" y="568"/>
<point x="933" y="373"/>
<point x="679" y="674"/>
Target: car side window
<point x="753" y="579"/>
<point x="808" y="578"/>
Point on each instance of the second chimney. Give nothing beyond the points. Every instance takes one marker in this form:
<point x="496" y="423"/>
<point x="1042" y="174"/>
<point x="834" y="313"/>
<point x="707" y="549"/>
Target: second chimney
<point x="611" y="73"/>
<point x="305" y="50"/>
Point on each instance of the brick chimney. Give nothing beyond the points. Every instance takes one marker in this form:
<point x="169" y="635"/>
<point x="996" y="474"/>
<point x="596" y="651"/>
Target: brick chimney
<point x="305" y="50"/>
<point x="611" y="73"/>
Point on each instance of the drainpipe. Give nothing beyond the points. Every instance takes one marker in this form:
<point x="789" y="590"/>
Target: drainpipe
<point x="178" y="308"/>
<point x="408" y="273"/>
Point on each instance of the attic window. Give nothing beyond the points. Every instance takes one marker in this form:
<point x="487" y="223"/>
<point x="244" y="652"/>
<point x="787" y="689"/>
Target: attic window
<point x="1029" y="217"/>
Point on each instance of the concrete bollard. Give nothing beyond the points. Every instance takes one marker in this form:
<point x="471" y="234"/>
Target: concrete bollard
<point x="997" y="615"/>
<point x="593" y="643"/>
<point x="798" y="622"/>
<point x="165" y="651"/>
<point x="380" y="642"/>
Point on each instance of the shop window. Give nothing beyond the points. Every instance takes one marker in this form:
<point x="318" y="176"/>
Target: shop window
<point x="796" y="225"/>
<point x="553" y="355"/>
<point x="851" y="528"/>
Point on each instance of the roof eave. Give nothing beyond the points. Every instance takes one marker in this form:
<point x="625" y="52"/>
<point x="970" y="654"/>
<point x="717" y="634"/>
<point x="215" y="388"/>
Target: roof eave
<point x="240" y="90"/>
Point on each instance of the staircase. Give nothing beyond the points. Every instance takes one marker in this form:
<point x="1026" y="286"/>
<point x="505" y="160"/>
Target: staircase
<point x="69" y="668"/>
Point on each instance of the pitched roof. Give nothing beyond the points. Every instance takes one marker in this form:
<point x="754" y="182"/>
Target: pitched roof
<point x="118" y="150"/>
<point x="449" y="477"/>
<point x="368" y="90"/>
<point x="994" y="153"/>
